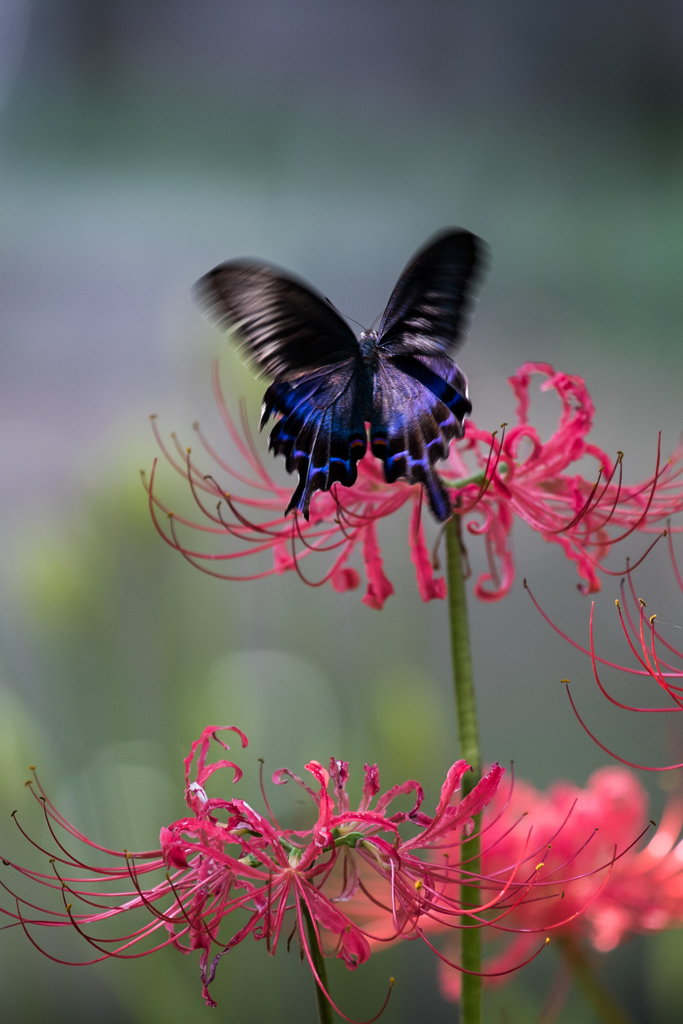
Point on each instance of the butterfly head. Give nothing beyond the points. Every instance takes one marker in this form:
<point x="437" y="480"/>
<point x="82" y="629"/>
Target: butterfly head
<point x="368" y="348"/>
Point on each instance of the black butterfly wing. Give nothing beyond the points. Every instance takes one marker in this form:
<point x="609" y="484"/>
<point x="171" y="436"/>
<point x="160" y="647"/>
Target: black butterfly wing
<point x="321" y="388"/>
<point x="430" y="308"/>
<point x="321" y="431"/>
<point x="420" y="399"/>
<point x="419" y="404"/>
<point x="284" y="326"/>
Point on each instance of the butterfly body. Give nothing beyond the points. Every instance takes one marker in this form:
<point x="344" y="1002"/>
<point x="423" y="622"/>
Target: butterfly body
<point x="329" y="387"/>
<point x="368" y="349"/>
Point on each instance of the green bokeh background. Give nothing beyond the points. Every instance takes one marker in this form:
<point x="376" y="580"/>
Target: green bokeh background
<point x="140" y="144"/>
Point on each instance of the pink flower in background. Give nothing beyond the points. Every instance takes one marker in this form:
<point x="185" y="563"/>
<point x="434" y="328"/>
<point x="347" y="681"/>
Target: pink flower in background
<point x="318" y="878"/>
<point x="492" y="478"/>
<point x="575" y="833"/>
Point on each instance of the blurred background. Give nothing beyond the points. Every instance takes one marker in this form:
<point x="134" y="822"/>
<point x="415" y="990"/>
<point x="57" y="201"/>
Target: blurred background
<point x="140" y="144"/>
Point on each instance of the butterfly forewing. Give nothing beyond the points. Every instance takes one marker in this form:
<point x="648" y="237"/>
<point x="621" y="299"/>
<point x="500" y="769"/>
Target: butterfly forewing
<point x="430" y="308"/>
<point x="284" y="327"/>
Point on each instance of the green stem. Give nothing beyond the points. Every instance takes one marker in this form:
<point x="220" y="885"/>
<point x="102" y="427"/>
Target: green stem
<point x="595" y="992"/>
<point x="468" y="736"/>
<point x="324" y="1007"/>
<point x="477" y="478"/>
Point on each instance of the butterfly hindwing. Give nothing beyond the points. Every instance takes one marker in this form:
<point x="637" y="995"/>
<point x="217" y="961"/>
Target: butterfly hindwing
<point x="430" y="307"/>
<point x="285" y="327"/>
<point x="419" y="404"/>
<point x="321" y="431"/>
<point x="446" y="382"/>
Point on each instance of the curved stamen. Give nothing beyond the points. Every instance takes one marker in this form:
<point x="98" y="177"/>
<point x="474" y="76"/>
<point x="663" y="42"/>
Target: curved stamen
<point x="631" y="764"/>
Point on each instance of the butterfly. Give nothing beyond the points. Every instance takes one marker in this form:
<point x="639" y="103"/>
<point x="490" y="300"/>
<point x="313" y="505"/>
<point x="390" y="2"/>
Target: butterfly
<point x="328" y="386"/>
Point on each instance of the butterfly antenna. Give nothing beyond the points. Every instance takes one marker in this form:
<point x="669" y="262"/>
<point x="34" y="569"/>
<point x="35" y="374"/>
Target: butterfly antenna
<point x="343" y="314"/>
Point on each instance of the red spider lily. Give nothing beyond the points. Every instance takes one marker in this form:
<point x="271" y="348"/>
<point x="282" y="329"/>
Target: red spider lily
<point x="349" y="867"/>
<point x="575" y="832"/>
<point x="489" y="480"/>
<point x="654" y="656"/>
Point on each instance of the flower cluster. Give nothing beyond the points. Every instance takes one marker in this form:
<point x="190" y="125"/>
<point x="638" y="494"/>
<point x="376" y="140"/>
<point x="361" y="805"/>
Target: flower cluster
<point x="576" y="831"/>
<point x="492" y="477"/>
<point x="220" y="881"/>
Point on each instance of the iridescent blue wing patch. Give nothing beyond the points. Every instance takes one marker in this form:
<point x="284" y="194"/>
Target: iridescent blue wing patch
<point x="321" y="431"/>
<point x="419" y="405"/>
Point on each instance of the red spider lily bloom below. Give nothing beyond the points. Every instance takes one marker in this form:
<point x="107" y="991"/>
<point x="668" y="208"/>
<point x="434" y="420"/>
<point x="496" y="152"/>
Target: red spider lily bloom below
<point x="489" y="480"/>
<point x="215" y="882"/>
<point x="653" y="657"/>
<point x="575" y="832"/>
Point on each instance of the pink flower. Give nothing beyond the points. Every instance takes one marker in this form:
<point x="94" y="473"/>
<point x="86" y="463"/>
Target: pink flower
<point x="591" y="882"/>
<point x="349" y="867"/>
<point x="491" y="477"/>
<point x="653" y="657"/>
